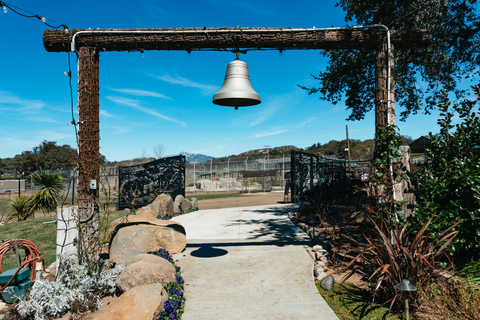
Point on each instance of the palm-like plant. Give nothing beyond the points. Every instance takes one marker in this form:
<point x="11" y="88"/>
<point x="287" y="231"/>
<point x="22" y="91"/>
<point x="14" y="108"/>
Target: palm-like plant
<point x="21" y="207"/>
<point x="46" y="198"/>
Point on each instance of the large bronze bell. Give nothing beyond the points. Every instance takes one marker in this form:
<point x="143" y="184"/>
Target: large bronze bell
<point x="236" y="90"/>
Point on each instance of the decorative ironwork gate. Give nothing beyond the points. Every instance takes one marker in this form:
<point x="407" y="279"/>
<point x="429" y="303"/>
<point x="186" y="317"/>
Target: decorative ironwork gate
<point x="309" y="171"/>
<point x="140" y="184"/>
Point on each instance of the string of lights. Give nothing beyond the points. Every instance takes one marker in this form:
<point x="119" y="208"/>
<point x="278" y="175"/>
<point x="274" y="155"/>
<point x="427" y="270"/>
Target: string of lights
<point x="5" y="6"/>
<point x="28" y="14"/>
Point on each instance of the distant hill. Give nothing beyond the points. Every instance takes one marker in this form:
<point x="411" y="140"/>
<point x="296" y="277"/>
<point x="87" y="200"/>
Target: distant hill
<point x="271" y="151"/>
<point x="195" y="157"/>
<point x="275" y="152"/>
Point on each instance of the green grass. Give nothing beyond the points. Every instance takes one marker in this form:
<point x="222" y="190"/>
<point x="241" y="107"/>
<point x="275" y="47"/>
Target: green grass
<point x="5" y="209"/>
<point x="44" y="236"/>
<point x="349" y="303"/>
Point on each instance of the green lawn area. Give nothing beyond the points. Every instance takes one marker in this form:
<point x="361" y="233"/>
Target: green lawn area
<point x="350" y="303"/>
<point x="42" y="235"/>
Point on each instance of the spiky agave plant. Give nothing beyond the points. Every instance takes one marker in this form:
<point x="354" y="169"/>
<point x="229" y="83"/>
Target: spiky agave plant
<point x="21" y="208"/>
<point x="46" y="198"/>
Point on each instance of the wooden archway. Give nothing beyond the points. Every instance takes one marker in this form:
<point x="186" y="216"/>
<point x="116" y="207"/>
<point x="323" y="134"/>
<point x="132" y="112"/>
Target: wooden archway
<point x="88" y="43"/>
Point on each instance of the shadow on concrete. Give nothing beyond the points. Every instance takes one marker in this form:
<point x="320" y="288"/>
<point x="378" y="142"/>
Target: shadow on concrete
<point x="208" y="251"/>
<point x="282" y="230"/>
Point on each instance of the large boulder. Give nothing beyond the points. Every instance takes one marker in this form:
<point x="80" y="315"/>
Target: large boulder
<point x="163" y="205"/>
<point x="143" y="302"/>
<point x="146" y="238"/>
<point x="181" y="204"/>
<point x="146" y="211"/>
<point x="145" y="269"/>
<point x="124" y="259"/>
<point x="134" y="220"/>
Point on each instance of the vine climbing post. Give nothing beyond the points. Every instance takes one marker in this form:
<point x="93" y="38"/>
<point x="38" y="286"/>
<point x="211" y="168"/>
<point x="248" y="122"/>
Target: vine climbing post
<point x="88" y="150"/>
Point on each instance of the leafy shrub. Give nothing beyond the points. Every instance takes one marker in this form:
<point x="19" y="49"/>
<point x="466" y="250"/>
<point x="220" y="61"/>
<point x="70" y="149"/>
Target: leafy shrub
<point x="396" y="254"/>
<point x="74" y="290"/>
<point x="387" y="170"/>
<point x="450" y="181"/>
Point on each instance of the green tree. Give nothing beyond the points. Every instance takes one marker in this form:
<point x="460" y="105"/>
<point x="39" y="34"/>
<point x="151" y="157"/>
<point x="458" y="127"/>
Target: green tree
<point x="46" y="198"/>
<point x="450" y="182"/>
<point x="452" y="55"/>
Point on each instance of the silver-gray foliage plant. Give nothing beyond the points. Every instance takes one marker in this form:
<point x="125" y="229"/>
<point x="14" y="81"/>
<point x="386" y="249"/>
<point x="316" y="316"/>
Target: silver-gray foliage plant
<point x="74" y="284"/>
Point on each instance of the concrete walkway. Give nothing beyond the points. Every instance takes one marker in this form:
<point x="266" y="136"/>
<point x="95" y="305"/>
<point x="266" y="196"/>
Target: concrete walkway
<point x="248" y="263"/>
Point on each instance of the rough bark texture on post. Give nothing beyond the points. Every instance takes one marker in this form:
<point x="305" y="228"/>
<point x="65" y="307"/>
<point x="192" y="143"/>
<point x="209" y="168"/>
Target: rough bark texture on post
<point x="228" y="38"/>
<point x="380" y="87"/>
<point x="392" y="85"/>
<point x="383" y="116"/>
<point x="88" y="149"/>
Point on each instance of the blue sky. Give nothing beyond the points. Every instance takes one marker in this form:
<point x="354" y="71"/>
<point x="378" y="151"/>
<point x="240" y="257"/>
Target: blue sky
<point x="165" y="97"/>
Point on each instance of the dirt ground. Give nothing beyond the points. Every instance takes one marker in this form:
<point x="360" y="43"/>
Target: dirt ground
<point x="252" y="199"/>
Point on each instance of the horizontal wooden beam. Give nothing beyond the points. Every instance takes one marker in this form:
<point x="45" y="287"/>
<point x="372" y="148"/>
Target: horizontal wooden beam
<point x="229" y="39"/>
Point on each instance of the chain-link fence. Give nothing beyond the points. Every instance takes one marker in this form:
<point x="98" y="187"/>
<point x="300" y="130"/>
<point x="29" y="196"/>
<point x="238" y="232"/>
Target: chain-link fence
<point x="231" y="176"/>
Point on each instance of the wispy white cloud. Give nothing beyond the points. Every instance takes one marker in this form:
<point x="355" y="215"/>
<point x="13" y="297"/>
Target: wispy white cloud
<point x="104" y="113"/>
<point x="142" y="93"/>
<point x="42" y="119"/>
<point x="306" y="122"/>
<point x="8" y="99"/>
<point x="51" y="135"/>
<point x="137" y="106"/>
<point x="19" y="143"/>
<point x="207" y="88"/>
<point x="268" y="133"/>
<point x="118" y="130"/>
<point x="275" y="105"/>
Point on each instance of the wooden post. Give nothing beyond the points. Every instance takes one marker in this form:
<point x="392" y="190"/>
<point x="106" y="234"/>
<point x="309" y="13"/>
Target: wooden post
<point x="392" y="86"/>
<point x="348" y="151"/>
<point x="380" y="87"/>
<point x="383" y="116"/>
<point x="88" y="148"/>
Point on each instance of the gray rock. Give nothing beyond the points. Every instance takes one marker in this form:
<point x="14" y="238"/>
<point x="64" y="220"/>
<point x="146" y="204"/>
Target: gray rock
<point x="145" y="269"/>
<point x="318" y="270"/>
<point x="327" y="283"/>
<point x="321" y="253"/>
<point x="323" y="259"/>
<point x="320" y="263"/>
<point x="320" y="275"/>
<point x="163" y="205"/>
<point x="314" y="232"/>
<point x="194" y="203"/>
<point x="327" y="245"/>
<point x="181" y="204"/>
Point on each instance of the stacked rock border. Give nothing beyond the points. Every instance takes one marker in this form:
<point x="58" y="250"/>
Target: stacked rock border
<point x="321" y="249"/>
